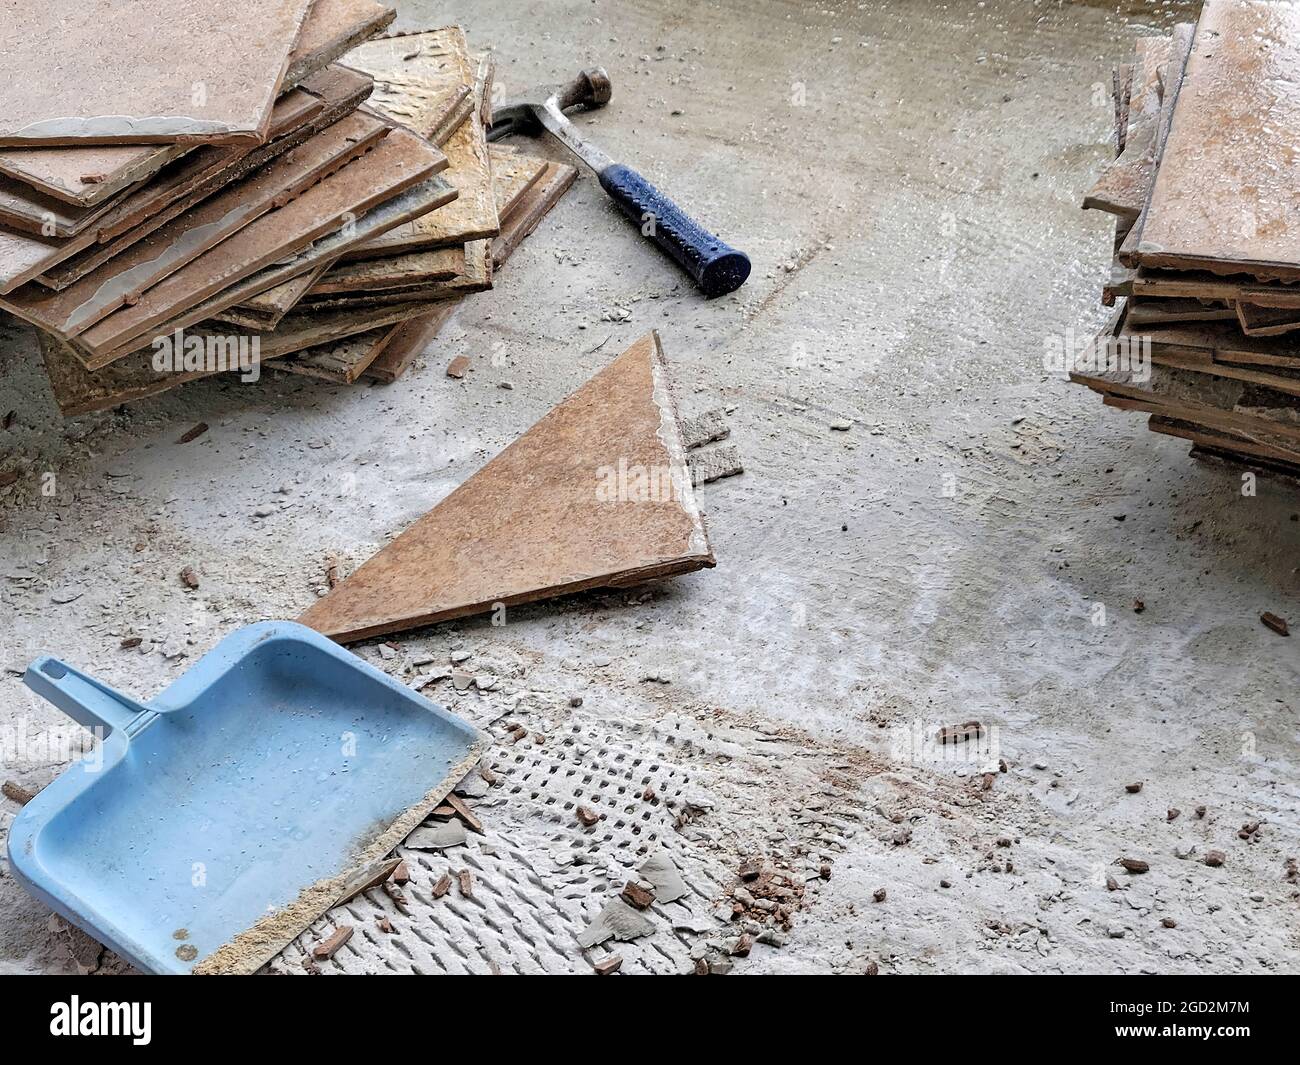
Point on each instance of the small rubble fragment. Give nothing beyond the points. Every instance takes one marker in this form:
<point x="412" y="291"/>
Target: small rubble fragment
<point x="617" y="921"/>
<point x="713" y="464"/>
<point x="662" y="874"/>
<point x="635" y="894"/>
<point x="463" y="811"/>
<point x="366" y="878"/>
<point x="706" y="428"/>
<point x="1275" y="623"/>
<point x="964" y="733"/>
<point x="326" y="950"/>
<point x="16" y="793"/>
<point x="437" y="836"/>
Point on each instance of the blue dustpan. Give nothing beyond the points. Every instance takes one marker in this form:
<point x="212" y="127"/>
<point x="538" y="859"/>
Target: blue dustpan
<point x="228" y="813"/>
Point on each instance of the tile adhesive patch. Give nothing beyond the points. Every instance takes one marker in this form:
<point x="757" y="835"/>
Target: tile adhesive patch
<point x="596" y="494"/>
<point x="420" y="78"/>
<point x="678" y="796"/>
<point x="544" y="887"/>
<point x="235" y="60"/>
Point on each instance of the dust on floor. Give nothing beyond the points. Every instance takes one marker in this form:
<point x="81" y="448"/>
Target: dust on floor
<point x="906" y="177"/>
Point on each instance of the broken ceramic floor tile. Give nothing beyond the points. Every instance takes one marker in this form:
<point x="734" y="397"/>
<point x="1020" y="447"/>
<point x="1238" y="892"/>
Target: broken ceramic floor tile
<point x="556" y="511"/>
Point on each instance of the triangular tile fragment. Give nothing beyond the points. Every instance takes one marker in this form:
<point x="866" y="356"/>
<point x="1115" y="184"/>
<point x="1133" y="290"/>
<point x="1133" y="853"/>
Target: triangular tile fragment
<point x="596" y="494"/>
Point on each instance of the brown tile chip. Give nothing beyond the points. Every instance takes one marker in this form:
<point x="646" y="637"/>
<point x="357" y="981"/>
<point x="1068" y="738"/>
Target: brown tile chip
<point x="1277" y="624"/>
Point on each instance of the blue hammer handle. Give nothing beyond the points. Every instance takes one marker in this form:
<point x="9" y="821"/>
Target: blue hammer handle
<point x="715" y="266"/>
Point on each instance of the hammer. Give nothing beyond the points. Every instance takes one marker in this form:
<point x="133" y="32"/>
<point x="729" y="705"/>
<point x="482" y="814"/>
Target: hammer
<point x="716" y="267"/>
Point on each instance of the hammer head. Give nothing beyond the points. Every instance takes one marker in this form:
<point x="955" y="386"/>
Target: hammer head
<point x="589" y="90"/>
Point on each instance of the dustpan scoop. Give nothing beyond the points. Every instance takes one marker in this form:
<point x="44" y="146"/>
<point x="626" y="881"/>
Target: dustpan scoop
<point x="215" y="822"/>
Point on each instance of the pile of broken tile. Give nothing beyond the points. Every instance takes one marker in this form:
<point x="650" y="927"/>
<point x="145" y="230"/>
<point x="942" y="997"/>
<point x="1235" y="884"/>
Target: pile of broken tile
<point x="1206" y="333"/>
<point x="324" y="215"/>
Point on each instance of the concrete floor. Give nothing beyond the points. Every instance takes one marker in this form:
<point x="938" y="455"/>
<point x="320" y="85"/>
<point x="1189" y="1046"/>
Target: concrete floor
<point x="906" y="177"/>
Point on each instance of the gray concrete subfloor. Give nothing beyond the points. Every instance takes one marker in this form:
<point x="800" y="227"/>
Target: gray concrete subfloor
<point x="906" y="177"/>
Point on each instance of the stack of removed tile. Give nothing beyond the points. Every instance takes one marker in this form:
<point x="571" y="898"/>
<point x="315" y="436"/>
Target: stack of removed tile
<point x="332" y="212"/>
<point x="1206" y="275"/>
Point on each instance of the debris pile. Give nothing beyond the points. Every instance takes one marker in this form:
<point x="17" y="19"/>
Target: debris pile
<point x="330" y="233"/>
<point x="1207" y="243"/>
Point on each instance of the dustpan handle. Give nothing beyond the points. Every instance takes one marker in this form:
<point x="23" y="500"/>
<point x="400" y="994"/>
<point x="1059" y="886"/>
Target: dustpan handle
<point x="86" y="700"/>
